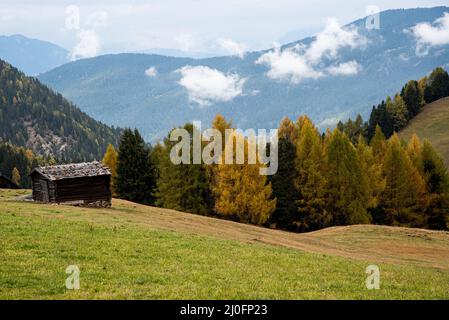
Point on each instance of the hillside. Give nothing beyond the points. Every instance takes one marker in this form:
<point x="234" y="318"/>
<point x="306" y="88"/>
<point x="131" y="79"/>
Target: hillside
<point x="134" y="251"/>
<point x="117" y="90"/>
<point x="432" y="124"/>
<point x="35" y="117"/>
<point x="31" y="56"/>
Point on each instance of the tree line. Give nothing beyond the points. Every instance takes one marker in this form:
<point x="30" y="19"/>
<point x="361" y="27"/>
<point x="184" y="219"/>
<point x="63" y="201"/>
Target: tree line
<point x="323" y="180"/>
<point x="393" y="114"/>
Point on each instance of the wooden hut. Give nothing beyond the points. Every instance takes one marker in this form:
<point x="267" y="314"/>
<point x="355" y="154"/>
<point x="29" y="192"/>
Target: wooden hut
<point x="78" y="184"/>
<point x="6" y="183"/>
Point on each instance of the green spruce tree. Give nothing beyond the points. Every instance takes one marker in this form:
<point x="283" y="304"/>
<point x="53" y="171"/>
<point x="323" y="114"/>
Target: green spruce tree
<point x="135" y="179"/>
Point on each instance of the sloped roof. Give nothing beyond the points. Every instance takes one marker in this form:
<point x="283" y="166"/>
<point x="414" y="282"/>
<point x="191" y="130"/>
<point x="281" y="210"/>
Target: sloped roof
<point x="73" y="170"/>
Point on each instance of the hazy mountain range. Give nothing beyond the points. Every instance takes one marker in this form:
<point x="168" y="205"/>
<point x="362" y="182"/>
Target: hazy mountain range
<point x="336" y="74"/>
<point x="32" y="56"/>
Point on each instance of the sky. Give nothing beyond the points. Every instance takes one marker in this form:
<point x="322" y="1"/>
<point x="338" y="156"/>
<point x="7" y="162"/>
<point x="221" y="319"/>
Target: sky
<point x="195" y="27"/>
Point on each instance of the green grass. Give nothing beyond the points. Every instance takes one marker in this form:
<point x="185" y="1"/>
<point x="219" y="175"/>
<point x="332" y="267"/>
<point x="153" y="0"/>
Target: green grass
<point x="126" y="262"/>
<point x="120" y="260"/>
<point x="432" y="124"/>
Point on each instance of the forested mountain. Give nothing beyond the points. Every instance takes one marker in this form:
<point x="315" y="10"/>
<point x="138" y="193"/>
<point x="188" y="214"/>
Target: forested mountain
<point x="35" y="117"/>
<point x="155" y="93"/>
<point x="31" y="56"/>
<point x="17" y="163"/>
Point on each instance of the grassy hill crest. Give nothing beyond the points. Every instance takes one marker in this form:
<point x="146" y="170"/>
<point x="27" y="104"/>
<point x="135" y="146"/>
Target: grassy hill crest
<point x="432" y="124"/>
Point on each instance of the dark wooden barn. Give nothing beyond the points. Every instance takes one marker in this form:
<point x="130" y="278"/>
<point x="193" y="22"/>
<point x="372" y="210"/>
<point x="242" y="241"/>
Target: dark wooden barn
<point x="78" y="184"/>
<point x="6" y="183"/>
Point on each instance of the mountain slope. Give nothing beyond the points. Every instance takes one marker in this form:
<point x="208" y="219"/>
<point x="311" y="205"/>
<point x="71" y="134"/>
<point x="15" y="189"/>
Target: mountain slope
<point x="30" y="55"/>
<point x="35" y="117"/>
<point x="116" y="90"/>
<point x="432" y="124"/>
<point x="154" y="253"/>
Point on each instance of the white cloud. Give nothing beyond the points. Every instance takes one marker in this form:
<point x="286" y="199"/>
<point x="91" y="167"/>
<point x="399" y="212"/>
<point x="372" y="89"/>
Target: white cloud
<point x="232" y="47"/>
<point x="332" y="39"/>
<point x="88" y="45"/>
<point x="305" y="62"/>
<point x="151" y="72"/>
<point x="288" y="64"/>
<point x="206" y="86"/>
<point x="428" y="35"/>
<point x="345" y="69"/>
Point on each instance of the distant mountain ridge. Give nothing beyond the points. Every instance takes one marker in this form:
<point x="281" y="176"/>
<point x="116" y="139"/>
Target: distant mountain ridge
<point x="116" y="89"/>
<point x="35" y="117"/>
<point x="32" y="56"/>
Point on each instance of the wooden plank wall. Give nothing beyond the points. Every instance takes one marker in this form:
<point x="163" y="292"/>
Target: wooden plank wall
<point x="89" y="189"/>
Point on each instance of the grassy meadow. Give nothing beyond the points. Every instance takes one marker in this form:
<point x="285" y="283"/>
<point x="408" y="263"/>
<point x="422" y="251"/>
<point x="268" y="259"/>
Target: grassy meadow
<point x="432" y="123"/>
<point x="131" y="252"/>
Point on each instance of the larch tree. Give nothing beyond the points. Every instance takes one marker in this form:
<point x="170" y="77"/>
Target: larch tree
<point x="347" y="183"/>
<point x="110" y="160"/>
<point x="404" y="196"/>
<point x="221" y="124"/>
<point x="437" y="181"/>
<point x="373" y="170"/>
<point x="181" y="187"/>
<point x="241" y="192"/>
<point x="414" y="151"/>
<point x="379" y="144"/>
<point x="398" y="111"/>
<point x="15" y="176"/>
<point x="310" y="181"/>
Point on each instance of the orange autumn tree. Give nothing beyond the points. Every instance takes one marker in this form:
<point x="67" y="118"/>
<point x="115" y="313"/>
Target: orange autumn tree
<point x="405" y="193"/>
<point x="110" y="160"/>
<point x="240" y="191"/>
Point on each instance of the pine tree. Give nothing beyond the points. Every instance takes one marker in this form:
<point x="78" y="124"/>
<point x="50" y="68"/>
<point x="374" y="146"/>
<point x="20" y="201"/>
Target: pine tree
<point x="241" y="193"/>
<point x="437" y="181"/>
<point x="373" y="122"/>
<point x="135" y="179"/>
<point x="110" y="160"/>
<point x="386" y="121"/>
<point x="347" y="184"/>
<point x="437" y="85"/>
<point x="15" y="176"/>
<point x="283" y="182"/>
<point x="404" y="195"/>
<point x="310" y="182"/>
<point x="412" y="98"/>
